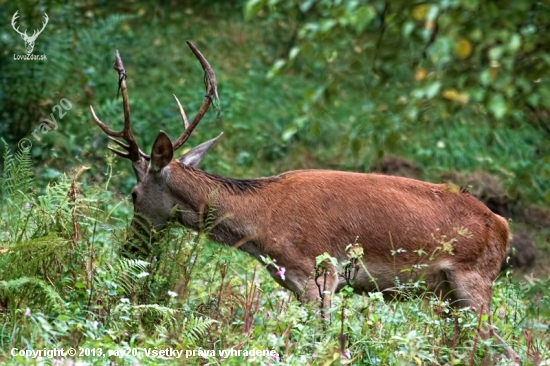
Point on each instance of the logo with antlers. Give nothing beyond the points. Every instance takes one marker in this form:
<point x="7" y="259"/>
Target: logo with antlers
<point x="29" y="40"/>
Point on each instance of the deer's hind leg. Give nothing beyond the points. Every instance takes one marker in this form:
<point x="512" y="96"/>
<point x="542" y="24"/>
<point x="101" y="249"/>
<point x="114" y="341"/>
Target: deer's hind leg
<point x="442" y="287"/>
<point x="472" y="289"/>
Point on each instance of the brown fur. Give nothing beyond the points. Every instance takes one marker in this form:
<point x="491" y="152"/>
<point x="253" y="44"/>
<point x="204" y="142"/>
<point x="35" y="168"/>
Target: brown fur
<point x="296" y="216"/>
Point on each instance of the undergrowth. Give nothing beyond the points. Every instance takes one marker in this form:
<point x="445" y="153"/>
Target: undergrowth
<point x="63" y="283"/>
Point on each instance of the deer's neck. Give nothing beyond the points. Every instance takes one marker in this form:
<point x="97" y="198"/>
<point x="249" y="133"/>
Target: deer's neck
<point x="227" y="209"/>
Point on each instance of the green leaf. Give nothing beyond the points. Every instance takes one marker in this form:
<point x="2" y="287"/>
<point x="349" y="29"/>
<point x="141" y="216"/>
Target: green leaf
<point x="327" y="25"/>
<point x="361" y="18"/>
<point x="533" y="100"/>
<point x="277" y="66"/>
<point x="408" y="28"/>
<point x="433" y="89"/>
<point x="306" y="5"/>
<point x="288" y="133"/>
<point x="497" y="106"/>
<point x="293" y="53"/>
<point x="252" y="8"/>
<point x="495" y="53"/>
<point x="515" y="42"/>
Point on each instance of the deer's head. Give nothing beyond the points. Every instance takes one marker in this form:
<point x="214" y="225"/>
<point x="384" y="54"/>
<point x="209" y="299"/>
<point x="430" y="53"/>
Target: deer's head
<point x="29" y="40"/>
<point x="153" y="201"/>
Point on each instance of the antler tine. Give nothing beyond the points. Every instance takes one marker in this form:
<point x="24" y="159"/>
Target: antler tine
<point x="211" y="94"/>
<point x="126" y="146"/>
<point x="103" y="126"/>
<point x="182" y="112"/>
<point x="119" y="143"/>
<point x="119" y="153"/>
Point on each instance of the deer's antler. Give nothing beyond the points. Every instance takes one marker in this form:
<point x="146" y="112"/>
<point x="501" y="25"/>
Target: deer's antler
<point x="211" y="94"/>
<point x="133" y="152"/>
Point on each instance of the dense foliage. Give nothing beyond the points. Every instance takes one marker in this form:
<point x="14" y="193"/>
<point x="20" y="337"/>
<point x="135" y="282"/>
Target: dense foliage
<point x="450" y="85"/>
<point x="472" y="73"/>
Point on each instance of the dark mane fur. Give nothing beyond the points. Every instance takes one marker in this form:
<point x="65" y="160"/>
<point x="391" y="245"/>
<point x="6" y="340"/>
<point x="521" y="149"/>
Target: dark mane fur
<point x="237" y="185"/>
<point x="242" y="185"/>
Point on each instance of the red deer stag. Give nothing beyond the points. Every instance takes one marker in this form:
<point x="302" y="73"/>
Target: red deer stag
<point x="296" y="216"/>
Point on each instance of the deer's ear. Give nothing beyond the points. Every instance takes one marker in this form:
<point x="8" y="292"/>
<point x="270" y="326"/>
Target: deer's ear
<point x="162" y="152"/>
<point x="194" y="156"/>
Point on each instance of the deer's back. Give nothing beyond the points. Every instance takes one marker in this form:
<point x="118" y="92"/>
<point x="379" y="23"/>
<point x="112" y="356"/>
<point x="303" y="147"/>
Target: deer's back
<point x="317" y="211"/>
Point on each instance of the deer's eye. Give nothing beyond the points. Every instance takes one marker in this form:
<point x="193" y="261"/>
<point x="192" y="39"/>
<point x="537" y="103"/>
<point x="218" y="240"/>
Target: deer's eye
<point x="134" y="196"/>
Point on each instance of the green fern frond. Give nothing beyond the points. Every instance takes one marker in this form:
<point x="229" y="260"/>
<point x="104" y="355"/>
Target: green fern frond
<point x="196" y="328"/>
<point x="132" y="266"/>
<point x="140" y="233"/>
<point x="18" y="289"/>
<point x="210" y="221"/>
<point x="164" y="313"/>
<point x="7" y="158"/>
<point x="127" y="271"/>
<point x="16" y="190"/>
<point x="18" y="175"/>
<point x="29" y="256"/>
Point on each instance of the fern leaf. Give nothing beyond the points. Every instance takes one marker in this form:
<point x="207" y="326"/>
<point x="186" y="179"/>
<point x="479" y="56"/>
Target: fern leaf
<point x="15" y="289"/>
